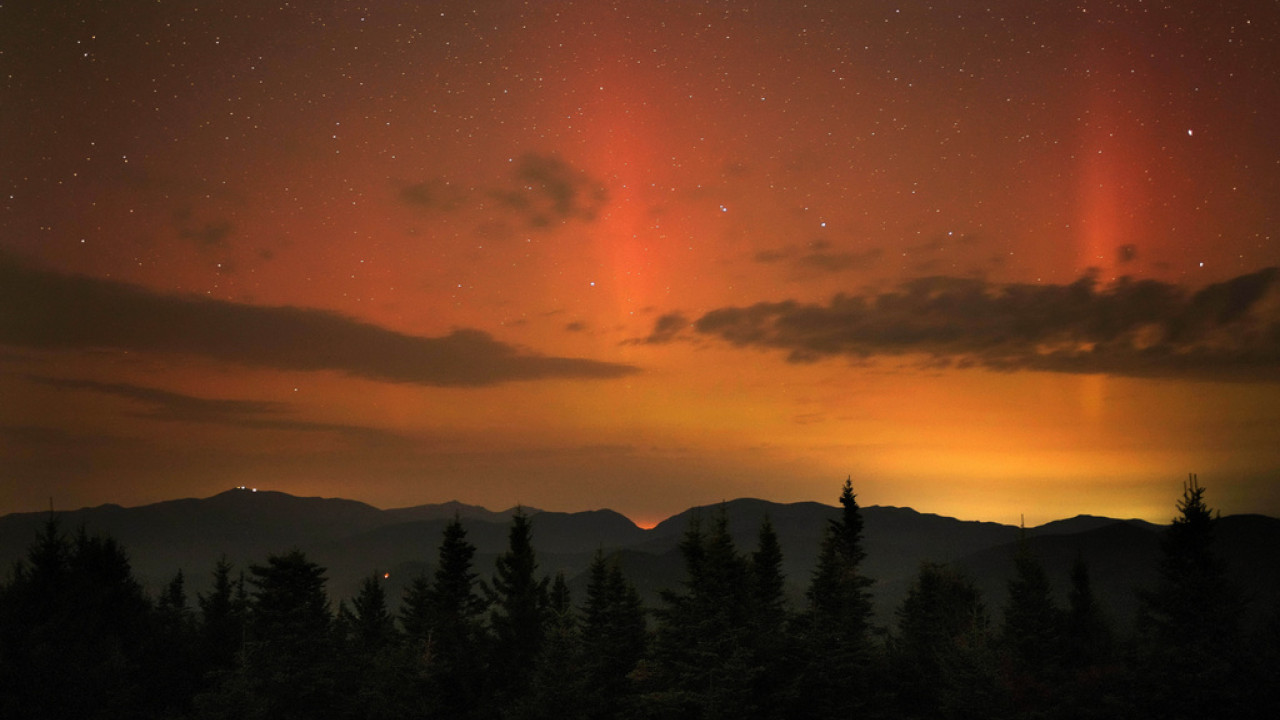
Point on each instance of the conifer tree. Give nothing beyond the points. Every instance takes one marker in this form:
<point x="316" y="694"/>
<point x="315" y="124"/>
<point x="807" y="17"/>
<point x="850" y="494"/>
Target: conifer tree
<point x="442" y="618"/>
<point x="173" y="662"/>
<point x="77" y="633"/>
<point x="416" y="613"/>
<point x="373" y="627"/>
<point x="774" y="664"/>
<point x="518" y="612"/>
<point x="1031" y="634"/>
<point x="836" y="626"/>
<point x="768" y="584"/>
<point x="374" y="675"/>
<point x="558" y="686"/>
<point x="1087" y="631"/>
<point x="1188" y="625"/>
<point x="942" y="661"/>
<point x="702" y="650"/>
<point x="291" y="651"/>
<point x="221" y="628"/>
<point x="613" y="638"/>
<point x="1092" y="685"/>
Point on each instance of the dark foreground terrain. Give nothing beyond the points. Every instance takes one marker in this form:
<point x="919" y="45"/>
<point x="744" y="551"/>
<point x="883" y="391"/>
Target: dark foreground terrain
<point x="260" y="604"/>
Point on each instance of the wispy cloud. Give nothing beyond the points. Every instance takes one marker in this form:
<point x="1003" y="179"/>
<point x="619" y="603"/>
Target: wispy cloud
<point x="666" y="328"/>
<point x="49" y="310"/>
<point x="819" y="258"/>
<point x="1140" y="328"/>
<point x="548" y="190"/>
<point x="542" y="191"/>
<point x="179" y="407"/>
<point x="175" y="406"/>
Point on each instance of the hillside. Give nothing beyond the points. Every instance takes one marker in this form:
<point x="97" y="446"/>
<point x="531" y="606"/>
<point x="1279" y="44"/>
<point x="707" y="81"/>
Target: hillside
<point x="353" y="540"/>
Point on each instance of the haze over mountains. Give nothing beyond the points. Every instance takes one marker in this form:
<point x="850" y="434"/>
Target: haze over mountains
<point x="354" y="540"/>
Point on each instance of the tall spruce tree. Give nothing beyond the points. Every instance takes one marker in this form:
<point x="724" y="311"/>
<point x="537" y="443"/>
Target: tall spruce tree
<point x="289" y="662"/>
<point x="75" y="632"/>
<point x="1031" y="634"/>
<point x="375" y="676"/>
<point x="613" y="638"/>
<point x="172" y="659"/>
<point x="1087" y="632"/>
<point x="773" y="668"/>
<point x="768" y="583"/>
<point x="1188" y="625"/>
<point x="942" y="659"/>
<point x="518" y="612"/>
<point x="442" y="619"/>
<point x="702" y="649"/>
<point x="1092" y="683"/>
<point x="372" y="625"/>
<point x="836" y="626"/>
<point x="558" y="687"/>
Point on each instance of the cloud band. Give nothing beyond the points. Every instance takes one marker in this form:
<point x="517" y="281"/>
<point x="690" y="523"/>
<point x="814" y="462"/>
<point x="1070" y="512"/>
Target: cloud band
<point x="1140" y="328"/>
<point x="42" y="309"/>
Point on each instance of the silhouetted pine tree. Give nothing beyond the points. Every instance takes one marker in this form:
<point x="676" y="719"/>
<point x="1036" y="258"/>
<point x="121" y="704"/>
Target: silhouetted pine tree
<point x="613" y="638"/>
<point x="288" y="668"/>
<point x="518" y="613"/>
<point x="703" y="653"/>
<point x="835" y="628"/>
<point x="223" y="615"/>
<point x="942" y="657"/>
<point x="1188" y="625"/>
<point x="415" y="613"/>
<point x="374" y="675"/>
<point x="372" y="626"/>
<point x="773" y="674"/>
<point x="557" y="688"/>
<point x="1094" y="681"/>
<point x="1031" y="634"/>
<point x="445" y="636"/>
<point x="173" y="661"/>
<point x="1088" y="638"/>
<point x="76" y="633"/>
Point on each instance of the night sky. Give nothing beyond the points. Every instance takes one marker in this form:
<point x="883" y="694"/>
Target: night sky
<point x="989" y="259"/>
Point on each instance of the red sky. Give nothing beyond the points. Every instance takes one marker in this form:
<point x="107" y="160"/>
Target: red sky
<point x="990" y="260"/>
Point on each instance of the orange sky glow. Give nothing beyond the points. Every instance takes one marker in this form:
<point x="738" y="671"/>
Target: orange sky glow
<point x="990" y="261"/>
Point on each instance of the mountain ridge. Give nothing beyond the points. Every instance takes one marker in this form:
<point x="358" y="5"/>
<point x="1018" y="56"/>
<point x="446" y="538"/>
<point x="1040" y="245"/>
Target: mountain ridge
<point x="353" y="539"/>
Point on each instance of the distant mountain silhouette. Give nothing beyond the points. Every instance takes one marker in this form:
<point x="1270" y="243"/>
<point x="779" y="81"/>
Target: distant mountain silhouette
<point x="1083" y="523"/>
<point x="353" y="540"/>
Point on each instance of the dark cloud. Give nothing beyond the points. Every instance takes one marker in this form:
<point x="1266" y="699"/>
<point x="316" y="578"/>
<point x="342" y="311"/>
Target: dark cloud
<point x="666" y="328"/>
<point x="1227" y="331"/>
<point x="823" y="262"/>
<point x="542" y="191"/>
<point x="433" y="195"/>
<point x="204" y="233"/>
<point x="576" y="326"/>
<point x="1126" y="253"/>
<point x="47" y="310"/>
<point x="773" y="256"/>
<point x="174" y="406"/>
<point x="818" y="258"/>
<point x="256" y="414"/>
<point x="548" y="190"/>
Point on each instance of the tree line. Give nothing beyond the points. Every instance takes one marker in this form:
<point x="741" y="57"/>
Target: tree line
<point x="79" y="638"/>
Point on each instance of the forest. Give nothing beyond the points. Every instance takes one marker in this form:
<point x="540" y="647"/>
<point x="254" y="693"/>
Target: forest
<point x="81" y="638"/>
